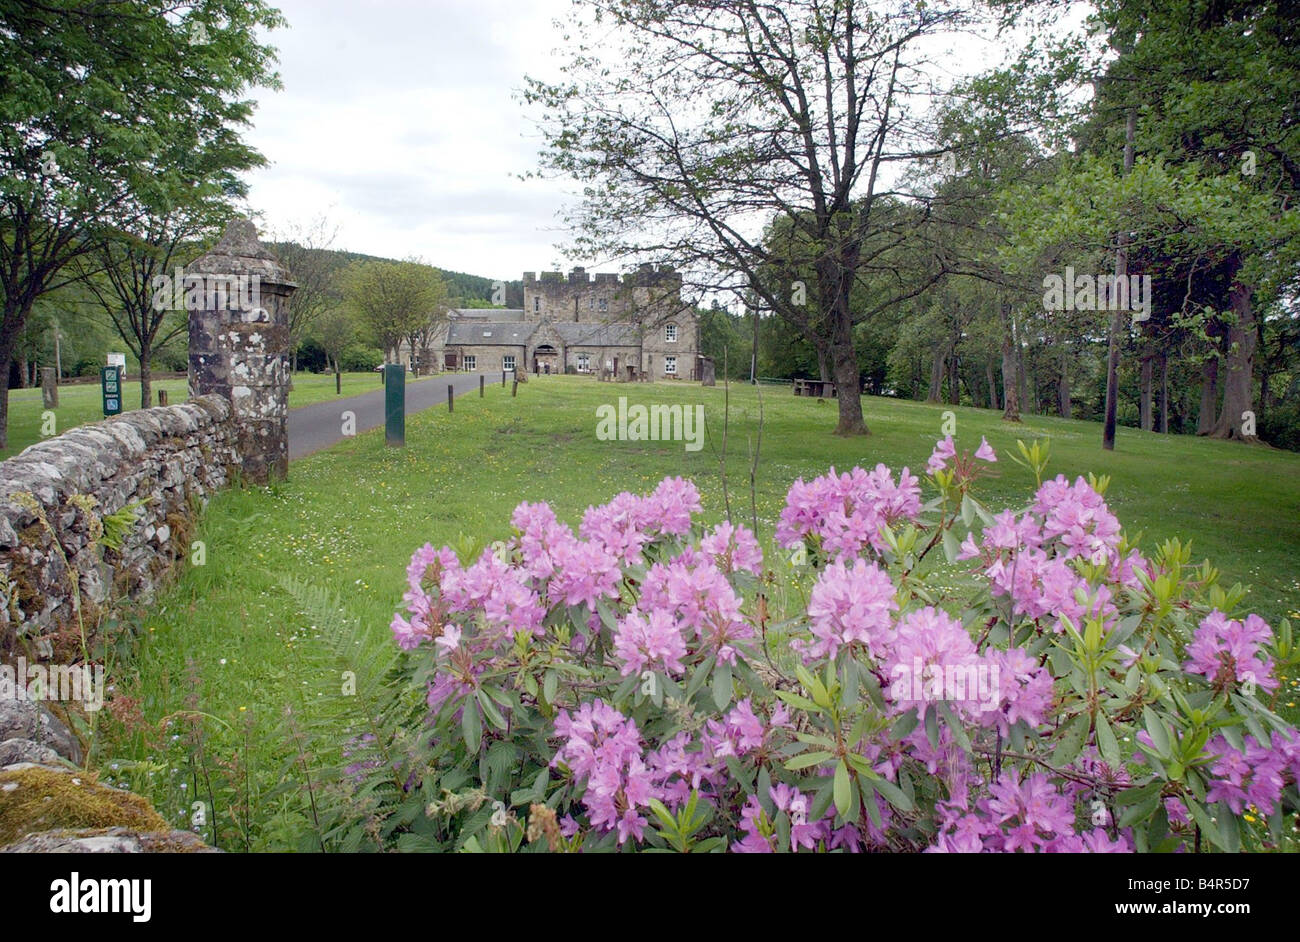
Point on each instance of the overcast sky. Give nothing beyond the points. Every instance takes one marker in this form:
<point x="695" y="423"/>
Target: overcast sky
<point x="398" y="122"/>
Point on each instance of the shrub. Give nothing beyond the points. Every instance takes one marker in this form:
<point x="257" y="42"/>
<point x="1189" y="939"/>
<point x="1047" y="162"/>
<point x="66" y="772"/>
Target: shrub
<point x="311" y="356"/>
<point x="644" y="684"/>
<point x="359" y="358"/>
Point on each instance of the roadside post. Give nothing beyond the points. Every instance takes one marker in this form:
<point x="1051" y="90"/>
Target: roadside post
<point x="395" y="405"/>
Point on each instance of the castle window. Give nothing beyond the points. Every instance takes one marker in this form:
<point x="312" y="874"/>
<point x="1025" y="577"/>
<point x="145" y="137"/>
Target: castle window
<point x="584" y="362"/>
<point x="537" y="303"/>
<point x="603" y="304"/>
<point x="508" y="363"/>
<point x="471" y="362"/>
<point x="670" y="333"/>
<point x="670" y="366"/>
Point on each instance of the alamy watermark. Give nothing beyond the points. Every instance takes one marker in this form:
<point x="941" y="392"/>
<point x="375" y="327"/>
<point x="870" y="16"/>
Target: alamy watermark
<point x="82" y="683"/>
<point x="182" y="292"/>
<point x="1098" y="293"/>
<point x="929" y="682"/>
<point x="656" y="423"/>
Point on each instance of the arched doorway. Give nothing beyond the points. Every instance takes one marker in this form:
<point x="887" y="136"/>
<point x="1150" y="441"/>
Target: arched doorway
<point x="546" y="359"/>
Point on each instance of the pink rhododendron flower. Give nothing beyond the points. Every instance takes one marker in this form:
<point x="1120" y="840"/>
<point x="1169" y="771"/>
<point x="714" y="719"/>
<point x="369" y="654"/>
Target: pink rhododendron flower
<point x="844" y="513"/>
<point x="1249" y="777"/>
<point x="733" y="548"/>
<point x="603" y="748"/>
<point x="1228" y="652"/>
<point x="650" y="641"/>
<point x="850" y="605"/>
<point x="639" y="588"/>
<point x="939" y="458"/>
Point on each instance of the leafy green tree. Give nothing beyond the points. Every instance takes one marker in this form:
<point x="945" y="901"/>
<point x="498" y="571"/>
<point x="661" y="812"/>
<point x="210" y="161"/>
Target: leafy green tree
<point x="103" y="104"/>
<point x="1199" y="103"/>
<point x="131" y="272"/>
<point x="335" y="329"/>
<point x="692" y="124"/>
<point x="394" y="301"/>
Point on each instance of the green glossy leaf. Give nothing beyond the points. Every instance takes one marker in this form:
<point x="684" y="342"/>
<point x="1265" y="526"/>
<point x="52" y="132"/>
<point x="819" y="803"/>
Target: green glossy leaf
<point x="471" y="726"/>
<point x="722" y="687"/>
<point x="843" y="791"/>
<point x="808" y="759"/>
<point x="1106" y="743"/>
<point x="1071" y="742"/>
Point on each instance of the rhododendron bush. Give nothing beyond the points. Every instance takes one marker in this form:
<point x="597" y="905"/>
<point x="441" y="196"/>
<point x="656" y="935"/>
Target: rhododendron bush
<point x="646" y="682"/>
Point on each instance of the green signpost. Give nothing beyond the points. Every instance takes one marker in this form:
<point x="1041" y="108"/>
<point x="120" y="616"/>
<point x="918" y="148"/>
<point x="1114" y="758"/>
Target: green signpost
<point x="110" y="383"/>
<point x="395" y="405"/>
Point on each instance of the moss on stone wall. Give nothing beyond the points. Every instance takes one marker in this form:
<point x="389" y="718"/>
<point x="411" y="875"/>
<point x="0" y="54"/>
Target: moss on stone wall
<point x="39" y="799"/>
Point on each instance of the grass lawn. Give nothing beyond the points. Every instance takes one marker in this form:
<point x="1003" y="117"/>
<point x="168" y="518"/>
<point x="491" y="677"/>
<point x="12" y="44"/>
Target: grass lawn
<point x="228" y="641"/>
<point x="80" y="404"/>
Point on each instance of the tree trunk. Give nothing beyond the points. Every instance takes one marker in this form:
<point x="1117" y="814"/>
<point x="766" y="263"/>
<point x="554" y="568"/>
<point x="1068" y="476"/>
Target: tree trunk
<point x="1209" y="394"/>
<point x="848" y="379"/>
<point x="1164" y="393"/>
<point x="938" y="367"/>
<point x="823" y="363"/>
<point x="1021" y="397"/>
<point x="993" y="384"/>
<point x="22" y="372"/>
<point x="1144" y="401"/>
<point x="1238" y="385"/>
<point x="11" y="322"/>
<point x="1010" y="375"/>
<point x="1063" y="385"/>
<point x="1029" y="386"/>
<point x="146" y="376"/>
<point x="1117" y="322"/>
<point x="954" y="381"/>
<point x="1111" y="419"/>
<point x="6" y="361"/>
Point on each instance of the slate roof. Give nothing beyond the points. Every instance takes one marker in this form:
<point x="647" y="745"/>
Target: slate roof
<point x="477" y="331"/>
<point x="598" y="335"/>
<point x="511" y="314"/>
<point x="474" y="332"/>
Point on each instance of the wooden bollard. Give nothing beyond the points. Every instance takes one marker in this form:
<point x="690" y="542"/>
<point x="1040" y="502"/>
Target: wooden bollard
<point x="503" y="379"/>
<point x="450" y="400"/>
<point x="480" y="386"/>
<point x="162" y="397"/>
<point x="514" y="388"/>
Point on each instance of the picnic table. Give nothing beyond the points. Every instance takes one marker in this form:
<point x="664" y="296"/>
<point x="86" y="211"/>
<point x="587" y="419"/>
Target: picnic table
<point x="814" y="387"/>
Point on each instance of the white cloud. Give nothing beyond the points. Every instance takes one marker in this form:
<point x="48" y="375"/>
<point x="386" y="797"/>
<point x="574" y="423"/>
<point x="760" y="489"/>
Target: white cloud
<point x="397" y="120"/>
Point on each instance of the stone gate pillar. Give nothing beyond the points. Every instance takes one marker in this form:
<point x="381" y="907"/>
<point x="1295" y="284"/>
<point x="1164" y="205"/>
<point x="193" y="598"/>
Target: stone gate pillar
<point x="237" y="297"/>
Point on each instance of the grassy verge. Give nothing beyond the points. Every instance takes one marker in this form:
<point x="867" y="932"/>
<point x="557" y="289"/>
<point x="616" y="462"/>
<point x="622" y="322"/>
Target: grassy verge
<point x="81" y="404"/>
<point x="222" y="652"/>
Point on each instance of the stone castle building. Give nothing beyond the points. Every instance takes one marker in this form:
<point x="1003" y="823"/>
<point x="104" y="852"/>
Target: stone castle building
<point x="630" y="328"/>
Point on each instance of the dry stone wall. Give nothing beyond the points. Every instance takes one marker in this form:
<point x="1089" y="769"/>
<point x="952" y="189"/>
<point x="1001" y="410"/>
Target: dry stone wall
<point x="164" y="462"/>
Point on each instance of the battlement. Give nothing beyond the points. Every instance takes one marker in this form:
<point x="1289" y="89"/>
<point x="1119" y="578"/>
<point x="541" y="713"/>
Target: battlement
<point x="645" y="274"/>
